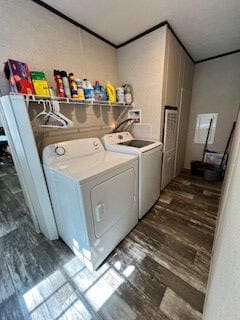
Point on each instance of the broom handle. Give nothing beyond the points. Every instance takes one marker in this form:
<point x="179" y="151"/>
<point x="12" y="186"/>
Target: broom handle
<point x="228" y="143"/>
<point x="206" y="143"/>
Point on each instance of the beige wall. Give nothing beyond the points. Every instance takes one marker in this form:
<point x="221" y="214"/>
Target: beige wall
<point x="222" y="299"/>
<point x="141" y="64"/>
<point x="216" y="88"/>
<point x="45" y="41"/>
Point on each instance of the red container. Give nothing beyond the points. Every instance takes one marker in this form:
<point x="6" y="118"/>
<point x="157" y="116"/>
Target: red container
<point x="59" y="84"/>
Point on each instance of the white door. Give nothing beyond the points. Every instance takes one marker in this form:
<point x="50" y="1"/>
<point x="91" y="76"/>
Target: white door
<point x="182" y="130"/>
<point x="169" y="146"/>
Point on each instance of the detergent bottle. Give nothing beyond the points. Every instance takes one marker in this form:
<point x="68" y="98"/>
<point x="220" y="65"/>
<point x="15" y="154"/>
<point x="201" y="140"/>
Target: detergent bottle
<point x="128" y="93"/>
<point x="103" y="93"/>
<point x="111" y="92"/>
<point x="88" y="90"/>
<point x="120" y="94"/>
<point x="99" y="92"/>
<point x="80" y="89"/>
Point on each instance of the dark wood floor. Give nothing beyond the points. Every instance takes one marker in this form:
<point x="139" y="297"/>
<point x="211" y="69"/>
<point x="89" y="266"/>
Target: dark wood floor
<point x="158" y="272"/>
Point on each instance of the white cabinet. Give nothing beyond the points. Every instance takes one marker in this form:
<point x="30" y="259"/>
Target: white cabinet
<point x="172" y="71"/>
<point x="177" y="87"/>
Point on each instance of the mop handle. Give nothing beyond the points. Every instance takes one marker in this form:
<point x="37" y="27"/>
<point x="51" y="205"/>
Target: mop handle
<point x="206" y="143"/>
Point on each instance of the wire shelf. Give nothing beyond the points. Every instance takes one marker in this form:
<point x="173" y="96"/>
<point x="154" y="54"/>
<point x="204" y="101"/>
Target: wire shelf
<point x="36" y="98"/>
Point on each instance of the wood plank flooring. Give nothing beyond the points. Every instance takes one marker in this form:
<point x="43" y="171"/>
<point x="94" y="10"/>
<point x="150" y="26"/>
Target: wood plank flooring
<point x="159" y="271"/>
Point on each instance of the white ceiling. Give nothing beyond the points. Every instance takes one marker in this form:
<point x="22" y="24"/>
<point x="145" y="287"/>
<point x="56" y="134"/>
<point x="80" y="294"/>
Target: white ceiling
<point x="206" y="27"/>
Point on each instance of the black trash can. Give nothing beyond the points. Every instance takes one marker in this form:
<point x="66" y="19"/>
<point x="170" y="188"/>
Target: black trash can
<point x="213" y="174"/>
<point x="198" y="168"/>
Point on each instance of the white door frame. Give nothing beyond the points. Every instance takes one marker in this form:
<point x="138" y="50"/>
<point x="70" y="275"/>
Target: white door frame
<point x="18" y="129"/>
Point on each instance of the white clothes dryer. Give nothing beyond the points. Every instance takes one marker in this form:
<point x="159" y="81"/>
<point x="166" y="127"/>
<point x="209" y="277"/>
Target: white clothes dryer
<point x="94" y="194"/>
<point x="150" y="162"/>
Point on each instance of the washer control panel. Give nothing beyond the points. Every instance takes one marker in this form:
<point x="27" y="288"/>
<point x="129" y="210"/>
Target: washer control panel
<point x="117" y="137"/>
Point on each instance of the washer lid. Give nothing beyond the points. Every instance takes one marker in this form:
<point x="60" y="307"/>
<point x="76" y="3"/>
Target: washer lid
<point x="124" y="142"/>
<point x="137" y="143"/>
<point x="88" y="167"/>
<point x="129" y="149"/>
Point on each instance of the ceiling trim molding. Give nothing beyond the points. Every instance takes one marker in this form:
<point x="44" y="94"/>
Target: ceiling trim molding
<point x="142" y="34"/>
<point x="218" y="56"/>
<point x="60" y="14"/>
<point x="180" y="42"/>
<point x="157" y="26"/>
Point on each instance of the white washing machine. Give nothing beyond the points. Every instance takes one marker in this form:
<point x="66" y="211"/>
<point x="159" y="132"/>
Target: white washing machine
<point x="150" y="162"/>
<point x="94" y="194"/>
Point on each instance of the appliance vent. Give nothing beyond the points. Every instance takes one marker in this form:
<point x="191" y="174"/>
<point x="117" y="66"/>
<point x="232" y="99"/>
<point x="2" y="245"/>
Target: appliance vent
<point x="170" y="129"/>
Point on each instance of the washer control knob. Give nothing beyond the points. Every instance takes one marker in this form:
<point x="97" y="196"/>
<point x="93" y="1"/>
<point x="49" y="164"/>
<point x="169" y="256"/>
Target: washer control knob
<point x="60" y="151"/>
<point x="95" y="143"/>
<point x="120" y="137"/>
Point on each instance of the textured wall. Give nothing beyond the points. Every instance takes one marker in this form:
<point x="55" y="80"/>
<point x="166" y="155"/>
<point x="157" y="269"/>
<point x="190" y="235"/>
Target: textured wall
<point x="141" y="64"/>
<point x="215" y="89"/>
<point x="222" y="300"/>
<point x="45" y="41"/>
<point x="99" y="59"/>
<point x="89" y="121"/>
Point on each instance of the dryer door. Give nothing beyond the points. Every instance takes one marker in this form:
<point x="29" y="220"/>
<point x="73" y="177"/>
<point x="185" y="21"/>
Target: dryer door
<point x="112" y="200"/>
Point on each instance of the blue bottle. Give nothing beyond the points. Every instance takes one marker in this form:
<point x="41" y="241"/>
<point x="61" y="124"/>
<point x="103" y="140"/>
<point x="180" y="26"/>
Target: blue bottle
<point x="88" y="90"/>
<point x="99" y="92"/>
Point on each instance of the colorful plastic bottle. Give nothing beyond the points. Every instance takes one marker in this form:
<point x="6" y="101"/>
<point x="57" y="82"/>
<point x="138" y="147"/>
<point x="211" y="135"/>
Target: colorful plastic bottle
<point x="80" y="89"/>
<point x="128" y="93"/>
<point x="88" y="90"/>
<point x="73" y="86"/>
<point x="103" y="93"/>
<point x="97" y="91"/>
<point x="120" y="94"/>
<point x="111" y="93"/>
<point x="59" y="84"/>
<point x="66" y="84"/>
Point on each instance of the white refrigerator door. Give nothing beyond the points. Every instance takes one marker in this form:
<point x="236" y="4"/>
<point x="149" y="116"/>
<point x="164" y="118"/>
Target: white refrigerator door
<point x="16" y="122"/>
